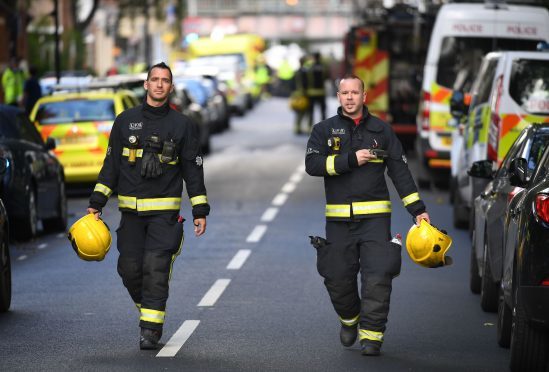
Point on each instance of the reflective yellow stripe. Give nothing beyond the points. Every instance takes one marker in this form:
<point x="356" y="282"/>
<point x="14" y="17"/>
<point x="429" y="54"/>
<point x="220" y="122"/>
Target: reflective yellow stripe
<point x="330" y="165"/>
<point x="338" y="210"/>
<point x="174" y="256"/>
<point x="154" y="204"/>
<point x="153" y="316"/>
<point x="350" y="322"/>
<point x="139" y="154"/>
<point x="373" y="207"/>
<point x="138" y="306"/>
<point x="158" y="204"/>
<point x="364" y="334"/>
<point x="375" y="161"/>
<point x="103" y="189"/>
<point x="407" y="200"/>
<point x="200" y="199"/>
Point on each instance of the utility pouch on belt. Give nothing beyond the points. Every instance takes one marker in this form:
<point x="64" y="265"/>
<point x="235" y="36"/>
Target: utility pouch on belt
<point x="317" y="241"/>
<point x="168" y="152"/>
<point x="150" y="164"/>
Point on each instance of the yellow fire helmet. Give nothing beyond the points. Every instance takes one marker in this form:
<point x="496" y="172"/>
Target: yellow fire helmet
<point x="90" y="238"/>
<point x="427" y="245"/>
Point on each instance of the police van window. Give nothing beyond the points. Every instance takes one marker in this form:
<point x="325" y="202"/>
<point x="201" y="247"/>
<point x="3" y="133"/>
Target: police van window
<point x="529" y="85"/>
<point x="75" y="111"/>
<point x="481" y="93"/>
<point x="460" y="57"/>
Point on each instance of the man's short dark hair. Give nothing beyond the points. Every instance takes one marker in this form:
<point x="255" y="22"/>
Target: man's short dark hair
<point x="160" y="65"/>
<point x="350" y="77"/>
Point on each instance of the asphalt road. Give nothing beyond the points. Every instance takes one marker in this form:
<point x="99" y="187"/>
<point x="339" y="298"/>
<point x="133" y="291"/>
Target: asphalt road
<point x="246" y="296"/>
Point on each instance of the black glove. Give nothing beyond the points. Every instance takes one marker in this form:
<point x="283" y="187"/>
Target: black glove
<point x="150" y="164"/>
<point x="317" y="241"/>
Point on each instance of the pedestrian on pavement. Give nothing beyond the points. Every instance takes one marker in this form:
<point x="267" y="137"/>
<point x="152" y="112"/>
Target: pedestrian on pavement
<point x="31" y="90"/>
<point x="316" y="90"/>
<point x="12" y="83"/>
<point x="301" y="90"/>
<point x="152" y="150"/>
<point x="358" y="213"/>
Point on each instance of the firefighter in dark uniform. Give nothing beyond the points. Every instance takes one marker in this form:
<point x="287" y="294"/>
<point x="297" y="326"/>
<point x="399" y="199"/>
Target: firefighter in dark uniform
<point x="351" y="151"/>
<point x="152" y="150"/>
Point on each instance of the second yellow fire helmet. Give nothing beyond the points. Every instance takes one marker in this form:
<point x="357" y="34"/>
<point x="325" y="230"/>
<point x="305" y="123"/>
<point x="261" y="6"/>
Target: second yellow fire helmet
<point x="427" y="245"/>
<point x="90" y="238"/>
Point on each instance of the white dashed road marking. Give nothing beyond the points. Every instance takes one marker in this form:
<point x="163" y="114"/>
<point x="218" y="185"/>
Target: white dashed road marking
<point x="178" y="339"/>
<point x="256" y="234"/>
<point x="269" y="214"/>
<point x="217" y="289"/>
<point x="22" y="257"/>
<point x="288" y="187"/>
<point x="42" y="246"/>
<point x="239" y="259"/>
<point x="280" y="199"/>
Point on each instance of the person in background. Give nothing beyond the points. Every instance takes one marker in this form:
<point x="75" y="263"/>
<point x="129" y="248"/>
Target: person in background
<point x="301" y="88"/>
<point x="316" y="90"/>
<point x="31" y="90"/>
<point x="12" y="83"/>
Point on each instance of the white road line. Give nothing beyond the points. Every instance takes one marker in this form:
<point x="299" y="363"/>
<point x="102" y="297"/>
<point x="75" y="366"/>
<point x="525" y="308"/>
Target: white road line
<point x="256" y="234"/>
<point x="289" y="187"/>
<point x="296" y="177"/>
<point x="22" y="257"/>
<point x="178" y="339"/>
<point x="239" y="259"/>
<point x="269" y="214"/>
<point x="280" y="199"/>
<point x="214" y="292"/>
<point x="301" y="168"/>
<point x="42" y="246"/>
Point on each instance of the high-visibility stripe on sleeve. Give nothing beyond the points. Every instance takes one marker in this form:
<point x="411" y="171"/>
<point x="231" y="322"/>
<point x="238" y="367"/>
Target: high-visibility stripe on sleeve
<point x="330" y="165"/>
<point x="103" y="189"/>
<point x="153" y="316"/>
<point x="200" y="199"/>
<point x="365" y="334"/>
<point x="373" y="207"/>
<point x="375" y="161"/>
<point x="407" y="200"/>
<point x="350" y="322"/>
<point x="338" y="210"/>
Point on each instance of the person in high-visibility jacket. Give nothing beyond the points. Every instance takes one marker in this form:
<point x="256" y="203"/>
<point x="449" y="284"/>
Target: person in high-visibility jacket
<point x="316" y="90"/>
<point x="358" y="213"/>
<point x="12" y="83"/>
<point x="152" y="150"/>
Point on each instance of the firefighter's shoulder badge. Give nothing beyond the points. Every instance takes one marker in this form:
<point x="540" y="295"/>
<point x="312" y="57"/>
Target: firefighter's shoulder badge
<point x="199" y="160"/>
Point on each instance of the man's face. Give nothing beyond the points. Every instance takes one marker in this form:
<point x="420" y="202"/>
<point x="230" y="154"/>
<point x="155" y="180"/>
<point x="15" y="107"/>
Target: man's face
<point x="159" y="85"/>
<point x="351" y="96"/>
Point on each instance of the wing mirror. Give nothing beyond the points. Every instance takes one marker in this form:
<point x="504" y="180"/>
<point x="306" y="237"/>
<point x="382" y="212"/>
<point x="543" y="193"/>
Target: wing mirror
<point x="459" y="104"/>
<point x="481" y="169"/>
<point x="518" y="172"/>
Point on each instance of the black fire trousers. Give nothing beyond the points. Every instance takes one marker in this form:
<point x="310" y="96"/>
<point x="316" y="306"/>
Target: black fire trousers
<point x="148" y="245"/>
<point x="360" y="246"/>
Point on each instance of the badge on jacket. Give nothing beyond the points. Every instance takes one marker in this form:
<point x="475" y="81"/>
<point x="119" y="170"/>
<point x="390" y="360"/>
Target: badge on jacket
<point x="334" y="143"/>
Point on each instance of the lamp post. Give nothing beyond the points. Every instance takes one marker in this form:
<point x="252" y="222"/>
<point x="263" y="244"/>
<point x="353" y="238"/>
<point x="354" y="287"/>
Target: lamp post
<point x="56" y="40"/>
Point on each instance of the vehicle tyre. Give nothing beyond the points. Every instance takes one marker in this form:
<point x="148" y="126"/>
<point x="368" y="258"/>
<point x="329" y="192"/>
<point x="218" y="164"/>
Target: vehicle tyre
<point x="474" y="278"/>
<point x="28" y="225"/>
<point x="59" y="222"/>
<point x="505" y="317"/>
<point x="488" y="289"/>
<point x="529" y="344"/>
<point x="460" y="214"/>
<point x="5" y="274"/>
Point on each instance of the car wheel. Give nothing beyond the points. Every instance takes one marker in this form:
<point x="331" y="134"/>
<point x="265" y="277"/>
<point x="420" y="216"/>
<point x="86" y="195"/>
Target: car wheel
<point x="59" y="222"/>
<point x="529" y="344"/>
<point x="28" y="225"/>
<point x="474" y="278"/>
<point x="488" y="289"/>
<point x="5" y="274"/>
<point x="504" y="321"/>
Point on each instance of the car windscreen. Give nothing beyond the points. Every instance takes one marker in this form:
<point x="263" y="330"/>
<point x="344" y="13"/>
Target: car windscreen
<point x="7" y="127"/>
<point x="75" y="111"/>
<point x="535" y="149"/>
<point x="529" y="85"/>
<point x="460" y="57"/>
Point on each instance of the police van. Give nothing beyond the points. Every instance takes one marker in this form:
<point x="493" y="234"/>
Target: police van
<point x="462" y="35"/>
<point x="510" y="93"/>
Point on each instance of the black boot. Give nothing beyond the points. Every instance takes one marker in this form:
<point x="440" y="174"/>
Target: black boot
<point x="370" y="347"/>
<point x="348" y="334"/>
<point x="149" y="338"/>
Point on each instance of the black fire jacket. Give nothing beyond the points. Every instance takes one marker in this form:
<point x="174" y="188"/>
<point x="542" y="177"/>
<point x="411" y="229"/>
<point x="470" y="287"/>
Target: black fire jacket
<point x="354" y="192"/>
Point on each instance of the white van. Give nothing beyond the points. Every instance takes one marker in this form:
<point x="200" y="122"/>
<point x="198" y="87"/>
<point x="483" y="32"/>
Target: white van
<point x="463" y="33"/>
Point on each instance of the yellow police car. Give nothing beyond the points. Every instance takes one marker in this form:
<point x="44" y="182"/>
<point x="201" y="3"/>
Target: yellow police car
<point x="80" y="123"/>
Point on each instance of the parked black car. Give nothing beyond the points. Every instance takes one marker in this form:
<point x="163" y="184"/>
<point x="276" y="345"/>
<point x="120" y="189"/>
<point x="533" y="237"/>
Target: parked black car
<point x="523" y="312"/>
<point x="490" y="209"/>
<point x="33" y="186"/>
<point x="5" y="263"/>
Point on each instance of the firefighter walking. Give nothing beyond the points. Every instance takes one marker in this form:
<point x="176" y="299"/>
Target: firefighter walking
<point x="352" y="150"/>
<point x="152" y="150"/>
